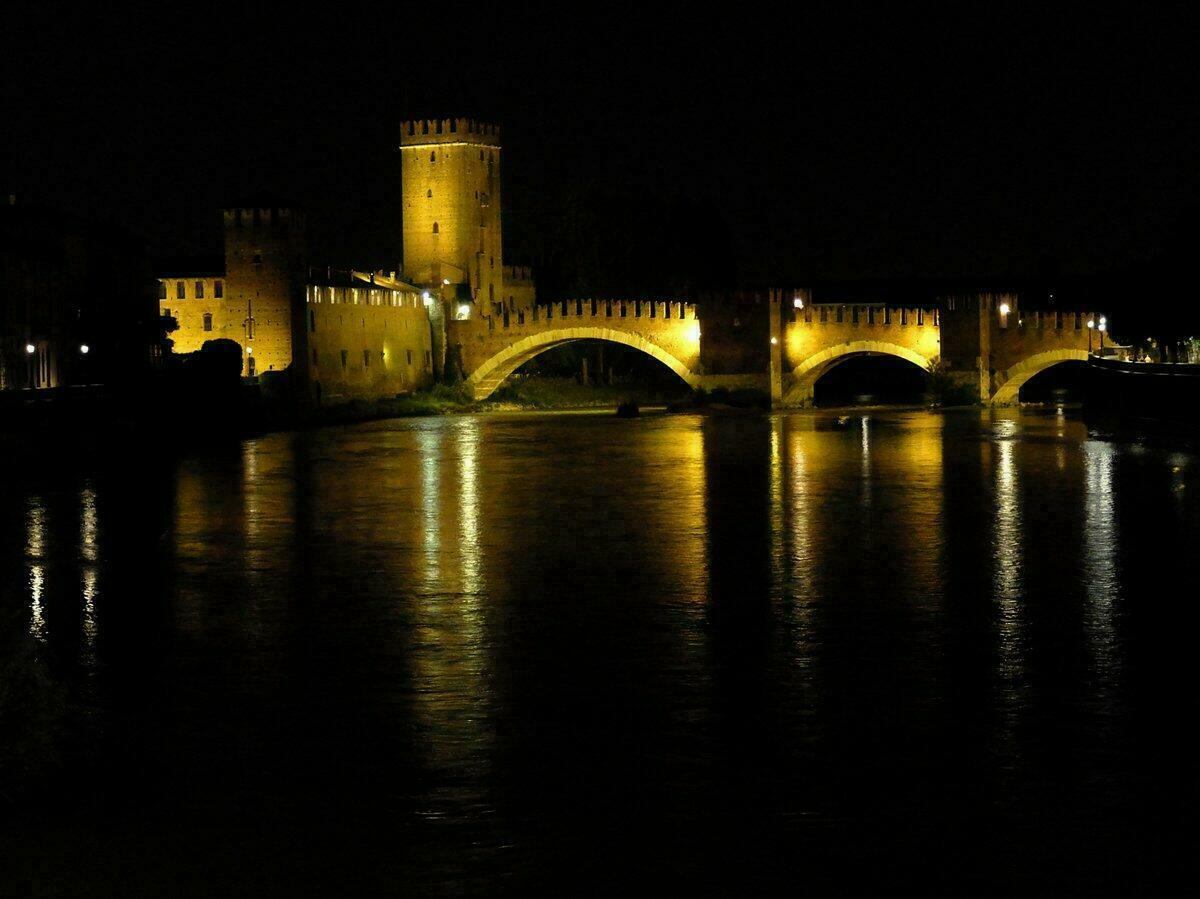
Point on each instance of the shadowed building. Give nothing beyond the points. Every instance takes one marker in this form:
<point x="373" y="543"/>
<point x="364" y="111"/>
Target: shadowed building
<point x="76" y="302"/>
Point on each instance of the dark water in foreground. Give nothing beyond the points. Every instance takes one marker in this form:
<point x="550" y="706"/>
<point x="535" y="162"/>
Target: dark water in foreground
<point x="572" y="653"/>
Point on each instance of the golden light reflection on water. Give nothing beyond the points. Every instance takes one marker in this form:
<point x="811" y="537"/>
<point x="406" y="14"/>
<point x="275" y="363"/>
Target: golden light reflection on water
<point x="1006" y="548"/>
<point x="35" y="548"/>
<point x="1100" y="547"/>
<point x="90" y="574"/>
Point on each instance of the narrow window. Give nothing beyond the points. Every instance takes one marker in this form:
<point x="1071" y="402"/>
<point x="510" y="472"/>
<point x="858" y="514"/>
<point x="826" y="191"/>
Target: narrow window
<point x="207" y="321"/>
<point x="435" y="228"/>
<point x="199" y="290"/>
<point x="162" y="290"/>
<point x="345" y="359"/>
<point x="366" y="358"/>
<point x="218" y="289"/>
<point x="408" y="356"/>
<point x="180" y="290"/>
<point x="433" y="155"/>
<point x="429" y="193"/>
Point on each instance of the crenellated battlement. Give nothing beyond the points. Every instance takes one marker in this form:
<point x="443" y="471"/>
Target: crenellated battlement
<point x="421" y="132"/>
<point x="257" y="216"/>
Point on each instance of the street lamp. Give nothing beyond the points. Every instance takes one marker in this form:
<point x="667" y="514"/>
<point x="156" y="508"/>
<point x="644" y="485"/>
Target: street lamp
<point x="1091" y="324"/>
<point x="30" y="349"/>
<point x="84" y="348"/>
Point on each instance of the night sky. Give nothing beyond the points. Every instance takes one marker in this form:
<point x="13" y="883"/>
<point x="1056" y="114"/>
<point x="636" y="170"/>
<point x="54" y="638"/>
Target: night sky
<point x="679" y="146"/>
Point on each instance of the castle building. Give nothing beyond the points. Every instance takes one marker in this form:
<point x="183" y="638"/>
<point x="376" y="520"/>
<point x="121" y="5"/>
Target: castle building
<point x="283" y="312"/>
<point x="343" y="334"/>
<point x="450" y="170"/>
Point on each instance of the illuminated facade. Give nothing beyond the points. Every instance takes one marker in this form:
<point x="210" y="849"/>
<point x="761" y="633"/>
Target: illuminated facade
<point x="452" y="217"/>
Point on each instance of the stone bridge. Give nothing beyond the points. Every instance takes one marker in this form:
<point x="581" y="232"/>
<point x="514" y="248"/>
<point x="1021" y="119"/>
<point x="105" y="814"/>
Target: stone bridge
<point x="981" y="340"/>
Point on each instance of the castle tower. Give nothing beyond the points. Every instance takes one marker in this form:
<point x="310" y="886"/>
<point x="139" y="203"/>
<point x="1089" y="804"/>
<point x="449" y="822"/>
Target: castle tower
<point x="264" y="257"/>
<point x="451" y="200"/>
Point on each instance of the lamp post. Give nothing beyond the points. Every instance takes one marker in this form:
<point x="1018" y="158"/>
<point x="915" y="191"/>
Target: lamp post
<point x="1091" y="325"/>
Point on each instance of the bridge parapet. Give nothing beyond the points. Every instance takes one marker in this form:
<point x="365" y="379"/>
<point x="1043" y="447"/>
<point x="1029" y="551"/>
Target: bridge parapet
<point x="492" y="347"/>
<point x="818" y="337"/>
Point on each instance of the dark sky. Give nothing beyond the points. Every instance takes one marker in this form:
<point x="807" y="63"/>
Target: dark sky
<point x="811" y="145"/>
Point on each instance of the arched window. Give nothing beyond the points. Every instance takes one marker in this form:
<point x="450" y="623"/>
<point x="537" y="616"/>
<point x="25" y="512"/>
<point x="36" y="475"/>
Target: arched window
<point x="207" y="321"/>
<point x="429" y="193"/>
<point x="435" y="228"/>
<point x="180" y="291"/>
<point x="433" y="155"/>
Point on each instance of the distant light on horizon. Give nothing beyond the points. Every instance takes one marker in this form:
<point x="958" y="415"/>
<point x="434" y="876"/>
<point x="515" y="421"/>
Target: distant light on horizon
<point x="84" y="348"/>
<point x="30" y="348"/>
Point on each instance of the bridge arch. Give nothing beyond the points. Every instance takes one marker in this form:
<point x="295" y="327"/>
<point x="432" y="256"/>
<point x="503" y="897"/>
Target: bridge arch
<point x="809" y="371"/>
<point x="491" y="373"/>
<point x="1015" y="377"/>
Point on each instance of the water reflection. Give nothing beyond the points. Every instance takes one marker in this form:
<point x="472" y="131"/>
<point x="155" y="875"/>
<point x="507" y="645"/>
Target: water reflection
<point x="35" y="547"/>
<point x="1007" y="552"/>
<point x="1099" y="557"/>
<point x="498" y="634"/>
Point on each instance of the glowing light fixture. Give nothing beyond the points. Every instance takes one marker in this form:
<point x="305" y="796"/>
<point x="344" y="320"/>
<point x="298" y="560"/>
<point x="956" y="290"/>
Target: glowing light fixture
<point x="1103" y="321"/>
<point x="445" y="280"/>
<point x="774" y="340"/>
<point x="798" y="302"/>
<point x="84" y="348"/>
<point x="426" y="298"/>
<point x="1103" y="327"/>
<point x="30" y="348"/>
<point x="249" y="351"/>
<point x="464" y="310"/>
<point x="1004" y="308"/>
<point x="1091" y="324"/>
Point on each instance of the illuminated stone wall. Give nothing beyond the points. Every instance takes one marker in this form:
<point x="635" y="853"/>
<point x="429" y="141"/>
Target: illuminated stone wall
<point x="264" y="258"/>
<point x="818" y="337"/>
<point x="491" y="348"/>
<point x="452" y="214"/>
<point x="363" y="342"/>
<point x="451" y="205"/>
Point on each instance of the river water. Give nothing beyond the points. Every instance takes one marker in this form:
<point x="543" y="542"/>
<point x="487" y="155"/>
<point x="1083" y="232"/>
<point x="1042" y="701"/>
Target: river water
<point x="570" y="652"/>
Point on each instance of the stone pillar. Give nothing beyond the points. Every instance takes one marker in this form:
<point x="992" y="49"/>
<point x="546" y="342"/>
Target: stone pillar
<point x="775" y="370"/>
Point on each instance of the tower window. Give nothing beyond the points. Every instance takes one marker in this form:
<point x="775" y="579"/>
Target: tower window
<point x="162" y="290"/>
<point x="435" y="228"/>
<point x="199" y="290"/>
<point x="345" y="359"/>
<point x="433" y="155"/>
<point x="180" y="290"/>
<point x="207" y="321"/>
<point x="429" y="193"/>
<point x="408" y="356"/>
<point x="366" y="358"/>
<point x="218" y="289"/>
